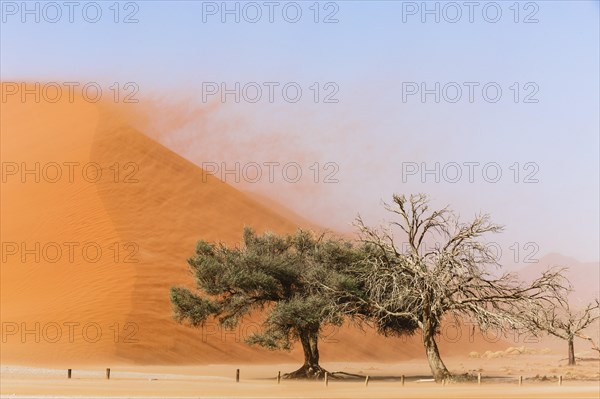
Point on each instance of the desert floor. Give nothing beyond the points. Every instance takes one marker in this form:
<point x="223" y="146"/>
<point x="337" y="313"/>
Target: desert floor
<point x="499" y="380"/>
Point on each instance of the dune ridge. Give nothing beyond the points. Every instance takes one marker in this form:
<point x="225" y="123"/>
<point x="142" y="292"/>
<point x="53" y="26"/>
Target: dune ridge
<point x="145" y="211"/>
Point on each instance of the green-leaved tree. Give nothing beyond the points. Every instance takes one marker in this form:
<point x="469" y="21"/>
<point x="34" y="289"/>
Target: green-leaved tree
<point x="274" y="274"/>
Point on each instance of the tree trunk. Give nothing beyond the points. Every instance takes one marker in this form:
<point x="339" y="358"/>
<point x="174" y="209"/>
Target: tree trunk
<point x="311" y="368"/>
<point x="314" y="347"/>
<point x="437" y="366"/>
<point x="571" y="351"/>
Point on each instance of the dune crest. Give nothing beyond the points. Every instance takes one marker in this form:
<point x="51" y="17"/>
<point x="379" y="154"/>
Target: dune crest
<point x="97" y="222"/>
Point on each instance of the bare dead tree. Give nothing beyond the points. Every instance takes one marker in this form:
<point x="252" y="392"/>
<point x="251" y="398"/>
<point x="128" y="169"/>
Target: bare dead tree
<point x="592" y="342"/>
<point x="414" y="286"/>
<point x="566" y="323"/>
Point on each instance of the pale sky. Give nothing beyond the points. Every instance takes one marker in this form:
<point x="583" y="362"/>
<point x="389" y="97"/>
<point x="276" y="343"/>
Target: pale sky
<point x="378" y="137"/>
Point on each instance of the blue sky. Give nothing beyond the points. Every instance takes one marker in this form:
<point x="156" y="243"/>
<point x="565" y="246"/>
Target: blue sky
<point x="371" y="134"/>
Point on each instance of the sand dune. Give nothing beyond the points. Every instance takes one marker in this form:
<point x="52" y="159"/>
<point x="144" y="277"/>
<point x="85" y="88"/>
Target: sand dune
<point x="109" y="246"/>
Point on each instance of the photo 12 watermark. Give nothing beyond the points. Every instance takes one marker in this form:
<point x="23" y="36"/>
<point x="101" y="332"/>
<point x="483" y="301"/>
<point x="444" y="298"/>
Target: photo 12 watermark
<point x="470" y="92"/>
<point x="72" y="252"/>
<point x="453" y="12"/>
<point x="54" y="92"/>
<point x="69" y="332"/>
<point x="70" y="12"/>
<point x="470" y="172"/>
<point x="270" y="92"/>
<point x="69" y="172"/>
<point x="271" y="12"/>
<point x="272" y="172"/>
<point x="454" y="332"/>
<point x="516" y="252"/>
<point x="215" y="332"/>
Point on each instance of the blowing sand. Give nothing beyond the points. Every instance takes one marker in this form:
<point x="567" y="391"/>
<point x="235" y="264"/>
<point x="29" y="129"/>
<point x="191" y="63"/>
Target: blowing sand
<point x="77" y="309"/>
<point x="63" y="304"/>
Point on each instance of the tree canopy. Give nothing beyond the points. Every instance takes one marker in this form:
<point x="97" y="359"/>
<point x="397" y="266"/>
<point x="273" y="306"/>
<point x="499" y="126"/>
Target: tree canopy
<point x="302" y="282"/>
<point x="410" y="287"/>
<point x="270" y="273"/>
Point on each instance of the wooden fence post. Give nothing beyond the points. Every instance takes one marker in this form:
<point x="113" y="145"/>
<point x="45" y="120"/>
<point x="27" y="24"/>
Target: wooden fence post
<point x="237" y="375"/>
<point x="69" y="373"/>
<point x="278" y="377"/>
<point x="108" y="374"/>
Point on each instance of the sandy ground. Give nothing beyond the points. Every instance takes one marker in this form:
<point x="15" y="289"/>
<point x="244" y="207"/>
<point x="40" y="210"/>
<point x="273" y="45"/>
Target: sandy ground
<point x="499" y="380"/>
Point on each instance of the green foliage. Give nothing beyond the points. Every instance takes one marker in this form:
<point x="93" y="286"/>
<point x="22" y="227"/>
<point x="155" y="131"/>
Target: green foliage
<point x="288" y="318"/>
<point x="278" y="274"/>
<point x="192" y="307"/>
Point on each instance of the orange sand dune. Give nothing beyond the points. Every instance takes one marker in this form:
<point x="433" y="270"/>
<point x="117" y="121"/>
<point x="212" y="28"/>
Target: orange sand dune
<point x="87" y="259"/>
